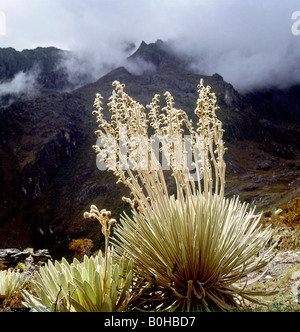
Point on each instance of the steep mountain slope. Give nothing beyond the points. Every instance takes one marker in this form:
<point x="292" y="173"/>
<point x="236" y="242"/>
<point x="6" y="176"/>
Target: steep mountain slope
<point x="48" y="174"/>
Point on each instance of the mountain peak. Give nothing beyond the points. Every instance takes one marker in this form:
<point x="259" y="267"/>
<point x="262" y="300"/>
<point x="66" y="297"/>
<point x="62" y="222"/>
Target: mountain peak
<point x="159" y="54"/>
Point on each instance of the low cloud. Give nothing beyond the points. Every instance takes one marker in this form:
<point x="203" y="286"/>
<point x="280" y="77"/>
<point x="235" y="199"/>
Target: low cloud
<point x="138" y="66"/>
<point x="23" y="84"/>
<point x="86" y="64"/>
<point x="81" y="68"/>
<point x="250" y="43"/>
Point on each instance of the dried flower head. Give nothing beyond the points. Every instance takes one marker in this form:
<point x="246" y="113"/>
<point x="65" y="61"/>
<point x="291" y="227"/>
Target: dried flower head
<point x="103" y="217"/>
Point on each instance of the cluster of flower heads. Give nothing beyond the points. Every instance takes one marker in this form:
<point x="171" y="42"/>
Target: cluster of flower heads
<point x="103" y="217"/>
<point x="127" y="149"/>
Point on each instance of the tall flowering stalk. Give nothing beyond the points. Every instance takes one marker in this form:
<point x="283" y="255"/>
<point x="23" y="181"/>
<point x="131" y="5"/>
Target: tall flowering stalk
<point x="128" y="150"/>
<point x="103" y="217"/>
<point x="194" y="246"/>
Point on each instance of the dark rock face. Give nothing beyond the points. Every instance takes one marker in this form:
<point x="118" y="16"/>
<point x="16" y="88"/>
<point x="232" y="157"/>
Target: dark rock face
<point x="48" y="174"/>
<point x="38" y="138"/>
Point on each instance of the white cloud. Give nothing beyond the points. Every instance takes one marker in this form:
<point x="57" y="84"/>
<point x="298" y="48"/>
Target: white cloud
<point x="23" y="83"/>
<point x="138" y="66"/>
<point x="248" y="42"/>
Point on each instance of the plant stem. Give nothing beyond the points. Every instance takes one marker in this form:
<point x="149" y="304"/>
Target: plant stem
<point x="106" y="232"/>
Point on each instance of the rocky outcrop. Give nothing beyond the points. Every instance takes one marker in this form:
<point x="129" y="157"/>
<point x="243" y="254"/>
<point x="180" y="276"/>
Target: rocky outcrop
<point x="10" y="258"/>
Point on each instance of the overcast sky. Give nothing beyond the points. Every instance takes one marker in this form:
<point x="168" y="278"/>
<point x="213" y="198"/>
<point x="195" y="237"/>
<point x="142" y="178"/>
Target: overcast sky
<point x="248" y="42"/>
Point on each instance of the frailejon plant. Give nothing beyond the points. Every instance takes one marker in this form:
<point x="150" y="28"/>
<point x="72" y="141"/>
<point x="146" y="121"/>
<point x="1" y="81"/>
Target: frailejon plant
<point x="79" y="287"/>
<point x="196" y="247"/>
<point x="11" y="282"/>
<point x="98" y="284"/>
